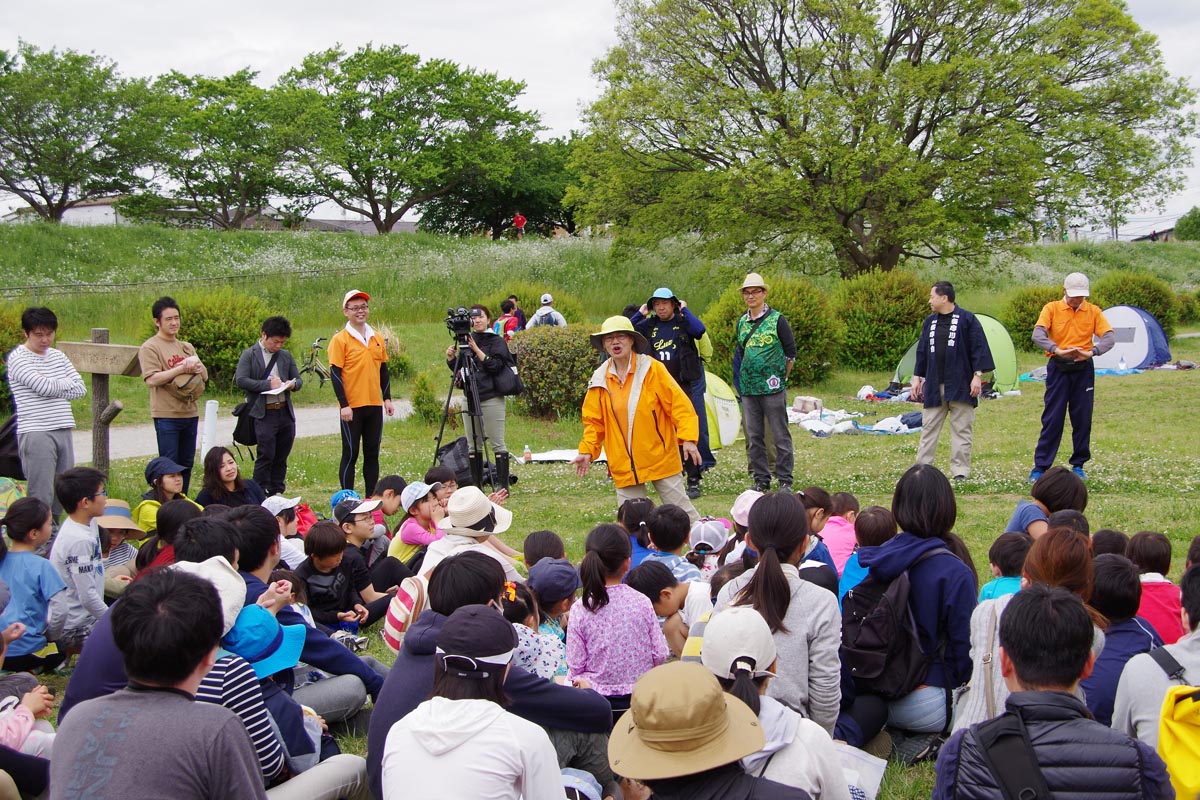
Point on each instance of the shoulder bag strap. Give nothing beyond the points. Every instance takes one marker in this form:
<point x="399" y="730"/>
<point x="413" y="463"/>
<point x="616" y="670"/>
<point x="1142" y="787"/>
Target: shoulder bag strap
<point x="1008" y="753"/>
<point x="742" y="342"/>
<point x="989" y="687"/>
<point x="1168" y="664"/>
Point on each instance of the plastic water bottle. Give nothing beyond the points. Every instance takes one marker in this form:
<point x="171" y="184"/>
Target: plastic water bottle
<point x="1121" y="364"/>
<point x="528" y="455"/>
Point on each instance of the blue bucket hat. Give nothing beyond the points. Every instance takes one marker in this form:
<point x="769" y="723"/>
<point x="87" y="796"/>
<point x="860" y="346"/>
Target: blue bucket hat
<point x="662" y="293"/>
<point x="259" y="638"/>
<point x="343" y="494"/>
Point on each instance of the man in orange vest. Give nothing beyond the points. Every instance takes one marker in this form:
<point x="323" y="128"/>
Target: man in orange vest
<point x="1072" y="331"/>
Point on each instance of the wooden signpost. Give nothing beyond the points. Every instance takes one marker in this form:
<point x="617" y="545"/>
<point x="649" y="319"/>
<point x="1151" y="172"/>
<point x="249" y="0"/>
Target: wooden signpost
<point x="102" y="359"/>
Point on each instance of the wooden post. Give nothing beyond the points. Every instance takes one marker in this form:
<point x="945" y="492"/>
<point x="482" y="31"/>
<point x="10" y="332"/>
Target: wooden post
<point x="99" y="403"/>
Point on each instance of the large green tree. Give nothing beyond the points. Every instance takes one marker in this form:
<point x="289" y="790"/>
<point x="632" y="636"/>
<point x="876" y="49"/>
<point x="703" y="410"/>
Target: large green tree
<point x="889" y="129"/>
<point x="71" y="129"/>
<point x="1187" y="227"/>
<point x="534" y="184"/>
<point x="386" y="131"/>
<point x="223" y="145"/>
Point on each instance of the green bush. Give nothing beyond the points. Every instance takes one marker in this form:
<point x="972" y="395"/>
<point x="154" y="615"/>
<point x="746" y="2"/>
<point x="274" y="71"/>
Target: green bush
<point x="807" y="310"/>
<point x="1022" y="311"/>
<point x="426" y="404"/>
<point x="220" y="323"/>
<point x="399" y="364"/>
<point x="555" y="365"/>
<point x="1139" y="289"/>
<point x="881" y="313"/>
<point x="10" y="336"/>
<point x="1189" y="307"/>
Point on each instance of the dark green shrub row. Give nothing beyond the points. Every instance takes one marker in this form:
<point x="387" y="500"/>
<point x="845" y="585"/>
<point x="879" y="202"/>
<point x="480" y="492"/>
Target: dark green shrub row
<point x="555" y="365"/>
<point x="220" y="323"/>
<point x="1139" y="289"/>
<point x="1022" y="312"/>
<point x="881" y="315"/>
<point x="10" y="337"/>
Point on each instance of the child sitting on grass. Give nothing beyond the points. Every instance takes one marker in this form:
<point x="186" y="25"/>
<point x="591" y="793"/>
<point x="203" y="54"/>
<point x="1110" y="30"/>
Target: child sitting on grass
<point x="1151" y="554"/>
<point x="554" y="582"/>
<point x="387" y="491"/>
<point x="32" y="582"/>
<point x="678" y="604"/>
<point x="545" y="655"/>
<point x="542" y="544"/>
<point x="76" y="553"/>
<point x="1007" y="558"/>
<point x="419" y="527"/>
<point x="669" y="526"/>
<point x="838" y="533"/>
<point x="339" y="590"/>
<point x="873" y="526"/>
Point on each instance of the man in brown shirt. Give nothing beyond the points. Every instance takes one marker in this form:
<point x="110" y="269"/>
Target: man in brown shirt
<point x="176" y="377"/>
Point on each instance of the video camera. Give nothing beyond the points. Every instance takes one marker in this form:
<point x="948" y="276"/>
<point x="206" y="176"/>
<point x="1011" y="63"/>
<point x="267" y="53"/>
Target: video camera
<point x="458" y="322"/>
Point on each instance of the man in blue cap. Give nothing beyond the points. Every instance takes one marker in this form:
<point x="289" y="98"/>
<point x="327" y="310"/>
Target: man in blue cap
<point x="672" y="331"/>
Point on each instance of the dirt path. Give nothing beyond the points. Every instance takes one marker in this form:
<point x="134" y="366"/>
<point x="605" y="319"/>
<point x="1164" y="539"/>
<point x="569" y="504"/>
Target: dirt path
<point x="138" y="441"/>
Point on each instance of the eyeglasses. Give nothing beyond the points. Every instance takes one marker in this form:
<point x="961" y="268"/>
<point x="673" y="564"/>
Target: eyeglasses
<point x="363" y="307"/>
<point x="101" y="493"/>
<point x="753" y="291"/>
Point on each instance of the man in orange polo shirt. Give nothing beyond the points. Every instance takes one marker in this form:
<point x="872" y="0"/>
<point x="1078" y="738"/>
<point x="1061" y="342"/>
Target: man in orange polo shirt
<point x="1072" y="331"/>
<point x="358" y="367"/>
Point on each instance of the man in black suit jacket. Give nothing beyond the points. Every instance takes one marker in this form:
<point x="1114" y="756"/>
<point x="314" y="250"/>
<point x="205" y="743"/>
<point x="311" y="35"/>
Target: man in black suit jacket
<point x="273" y="415"/>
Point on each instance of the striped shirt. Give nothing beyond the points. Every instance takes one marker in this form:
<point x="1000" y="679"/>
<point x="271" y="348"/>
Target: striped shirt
<point x="42" y="389"/>
<point x="232" y="683"/>
<point x="123" y="553"/>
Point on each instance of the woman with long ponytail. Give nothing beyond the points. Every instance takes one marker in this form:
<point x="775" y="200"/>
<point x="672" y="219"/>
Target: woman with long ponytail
<point x="613" y="636"/>
<point x="803" y="617"/>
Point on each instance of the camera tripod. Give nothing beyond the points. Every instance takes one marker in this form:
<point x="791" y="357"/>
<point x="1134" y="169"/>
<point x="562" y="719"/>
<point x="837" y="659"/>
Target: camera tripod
<point x="464" y="374"/>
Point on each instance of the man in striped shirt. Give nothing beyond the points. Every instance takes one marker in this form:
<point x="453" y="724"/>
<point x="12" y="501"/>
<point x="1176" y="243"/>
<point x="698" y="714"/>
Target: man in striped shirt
<point x="43" y="384"/>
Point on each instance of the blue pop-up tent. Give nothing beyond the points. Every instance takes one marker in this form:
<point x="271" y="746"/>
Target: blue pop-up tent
<point x="1141" y="342"/>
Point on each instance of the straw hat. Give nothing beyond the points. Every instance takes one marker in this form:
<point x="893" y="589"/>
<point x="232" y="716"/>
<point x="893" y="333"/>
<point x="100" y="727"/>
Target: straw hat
<point x="619" y="324"/>
<point x="468" y="507"/>
<point x="754" y="281"/>
<point x="680" y="722"/>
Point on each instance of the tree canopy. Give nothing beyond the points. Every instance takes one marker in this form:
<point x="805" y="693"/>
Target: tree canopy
<point x="534" y="183"/>
<point x="1187" y="227"/>
<point x="222" y="145"/>
<point x="381" y="132"/>
<point x="71" y="129"/>
<point x="889" y="129"/>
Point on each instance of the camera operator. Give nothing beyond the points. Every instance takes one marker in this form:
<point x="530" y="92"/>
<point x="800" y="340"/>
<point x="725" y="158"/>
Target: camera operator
<point x="494" y="379"/>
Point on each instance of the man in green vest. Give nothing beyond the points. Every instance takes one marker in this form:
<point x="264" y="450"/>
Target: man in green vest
<point x="762" y="360"/>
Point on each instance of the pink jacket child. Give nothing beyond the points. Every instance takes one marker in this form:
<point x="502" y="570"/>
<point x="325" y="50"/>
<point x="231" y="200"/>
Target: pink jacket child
<point x="613" y="636"/>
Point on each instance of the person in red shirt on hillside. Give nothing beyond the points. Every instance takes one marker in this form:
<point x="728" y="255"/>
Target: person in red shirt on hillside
<point x="519" y="224"/>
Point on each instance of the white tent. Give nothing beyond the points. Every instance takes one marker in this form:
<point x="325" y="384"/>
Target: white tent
<point x="1141" y="341"/>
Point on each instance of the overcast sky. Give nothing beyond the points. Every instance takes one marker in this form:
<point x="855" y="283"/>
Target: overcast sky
<point x="548" y="44"/>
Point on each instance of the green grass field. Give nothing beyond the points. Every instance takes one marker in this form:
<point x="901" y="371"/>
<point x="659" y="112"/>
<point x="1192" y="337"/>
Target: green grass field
<point x="1146" y="444"/>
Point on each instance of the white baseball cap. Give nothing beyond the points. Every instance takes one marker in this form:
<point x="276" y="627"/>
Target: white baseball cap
<point x="547" y="299"/>
<point x="738" y="638"/>
<point x="277" y="502"/>
<point x="352" y="294"/>
<point x="1076" y="285"/>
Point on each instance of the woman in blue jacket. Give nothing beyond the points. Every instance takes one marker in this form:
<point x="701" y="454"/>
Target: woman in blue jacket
<point x="943" y="597"/>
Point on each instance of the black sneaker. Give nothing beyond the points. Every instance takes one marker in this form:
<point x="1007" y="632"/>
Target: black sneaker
<point x="693" y="489"/>
<point x="762" y="487"/>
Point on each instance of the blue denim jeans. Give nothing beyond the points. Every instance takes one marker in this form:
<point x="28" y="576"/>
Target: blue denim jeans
<point x="177" y="441"/>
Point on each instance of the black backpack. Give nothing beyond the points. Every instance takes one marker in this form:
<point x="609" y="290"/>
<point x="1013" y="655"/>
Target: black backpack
<point x="881" y="646"/>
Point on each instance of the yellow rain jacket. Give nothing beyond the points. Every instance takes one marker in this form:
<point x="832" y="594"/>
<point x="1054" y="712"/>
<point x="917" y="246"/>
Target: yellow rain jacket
<point x="642" y="444"/>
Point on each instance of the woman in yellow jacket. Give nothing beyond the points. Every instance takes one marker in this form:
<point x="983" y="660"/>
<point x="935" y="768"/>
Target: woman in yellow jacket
<point x="636" y="411"/>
